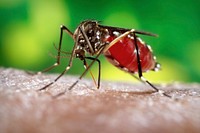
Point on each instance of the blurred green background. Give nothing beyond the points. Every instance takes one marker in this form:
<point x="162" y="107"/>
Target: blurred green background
<point x="29" y="28"/>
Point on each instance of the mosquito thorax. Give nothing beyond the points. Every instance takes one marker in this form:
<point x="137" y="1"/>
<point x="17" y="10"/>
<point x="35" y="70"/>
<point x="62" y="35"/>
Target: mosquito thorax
<point x="94" y="34"/>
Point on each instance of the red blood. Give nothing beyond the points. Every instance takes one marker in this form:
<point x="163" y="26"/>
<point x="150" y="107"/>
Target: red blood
<point x="124" y="53"/>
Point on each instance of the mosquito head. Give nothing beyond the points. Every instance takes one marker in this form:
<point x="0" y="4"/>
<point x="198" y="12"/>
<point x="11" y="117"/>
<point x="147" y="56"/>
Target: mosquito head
<point x="80" y="53"/>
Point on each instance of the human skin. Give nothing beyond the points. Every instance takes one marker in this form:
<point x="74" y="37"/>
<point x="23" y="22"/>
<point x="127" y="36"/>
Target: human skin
<point x="115" y="107"/>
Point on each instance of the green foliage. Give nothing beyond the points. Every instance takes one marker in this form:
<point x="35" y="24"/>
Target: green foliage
<point x="30" y="28"/>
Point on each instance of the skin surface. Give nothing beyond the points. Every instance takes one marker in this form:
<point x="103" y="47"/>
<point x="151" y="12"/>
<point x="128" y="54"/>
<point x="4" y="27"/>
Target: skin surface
<point x="115" y="107"/>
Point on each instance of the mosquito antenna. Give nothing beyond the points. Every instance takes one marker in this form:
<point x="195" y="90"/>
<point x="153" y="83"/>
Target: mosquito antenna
<point x="55" y="56"/>
<point x="61" y="50"/>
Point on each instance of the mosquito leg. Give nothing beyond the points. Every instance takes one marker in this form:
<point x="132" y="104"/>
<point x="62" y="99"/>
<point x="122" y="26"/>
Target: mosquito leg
<point x="86" y="38"/>
<point x="140" y="69"/>
<point x="99" y="69"/>
<point x="85" y="66"/>
<point x="62" y="28"/>
<point x="86" y="70"/>
<point x="67" y="68"/>
<point x="58" y="59"/>
<point x="83" y="74"/>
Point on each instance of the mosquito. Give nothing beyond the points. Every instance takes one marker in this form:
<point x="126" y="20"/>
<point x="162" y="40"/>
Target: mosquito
<point x="122" y="47"/>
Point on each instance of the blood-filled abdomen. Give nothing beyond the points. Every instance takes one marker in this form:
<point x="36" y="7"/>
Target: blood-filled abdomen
<point x="123" y="55"/>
